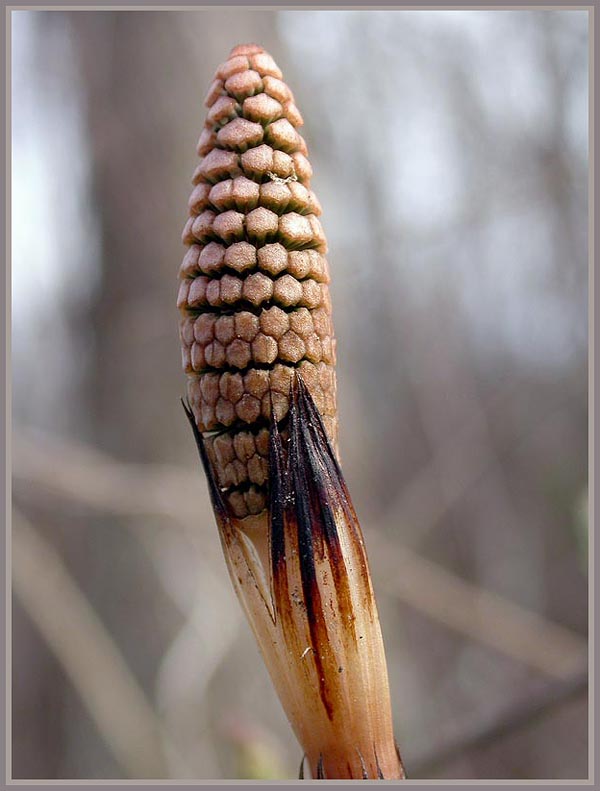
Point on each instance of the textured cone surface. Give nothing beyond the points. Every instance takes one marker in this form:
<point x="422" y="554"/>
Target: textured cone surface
<point x="253" y="295"/>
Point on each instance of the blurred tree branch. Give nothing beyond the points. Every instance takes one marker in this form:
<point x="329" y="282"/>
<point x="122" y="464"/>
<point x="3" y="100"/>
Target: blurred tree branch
<point x="88" y="655"/>
<point x="541" y="701"/>
<point x="89" y="477"/>
<point x="480" y="614"/>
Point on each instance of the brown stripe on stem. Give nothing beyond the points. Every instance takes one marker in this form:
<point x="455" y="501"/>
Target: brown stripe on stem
<point x="379" y="772"/>
<point x="327" y="455"/>
<point x="228" y="530"/>
<point x="305" y="517"/>
<point x="337" y="494"/>
<point x="321" y="769"/>
<point x="278" y="498"/>
<point x="331" y="492"/>
<point x="301" y="772"/>
<point x="214" y="491"/>
<point x="282" y="537"/>
<point x="365" y="774"/>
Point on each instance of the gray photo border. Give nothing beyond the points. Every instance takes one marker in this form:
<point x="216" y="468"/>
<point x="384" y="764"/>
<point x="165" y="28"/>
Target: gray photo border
<point x="5" y="392"/>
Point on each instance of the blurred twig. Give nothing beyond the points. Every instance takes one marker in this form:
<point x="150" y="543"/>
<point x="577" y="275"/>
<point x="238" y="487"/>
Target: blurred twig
<point x="481" y="614"/>
<point x="190" y="664"/>
<point x="88" y="655"/>
<point x="88" y="476"/>
<point x="544" y="699"/>
<point x="420" y="505"/>
<point x="470" y="609"/>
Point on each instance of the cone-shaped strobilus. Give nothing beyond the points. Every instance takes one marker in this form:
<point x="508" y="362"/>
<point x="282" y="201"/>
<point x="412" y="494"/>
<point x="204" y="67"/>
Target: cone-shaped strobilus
<point x="259" y="352"/>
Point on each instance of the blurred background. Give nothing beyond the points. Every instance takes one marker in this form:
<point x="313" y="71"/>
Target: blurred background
<point x="450" y="152"/>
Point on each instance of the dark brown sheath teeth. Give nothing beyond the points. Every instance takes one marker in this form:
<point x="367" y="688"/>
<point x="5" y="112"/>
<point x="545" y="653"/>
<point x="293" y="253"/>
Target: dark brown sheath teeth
<point x="253" y="296"/>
